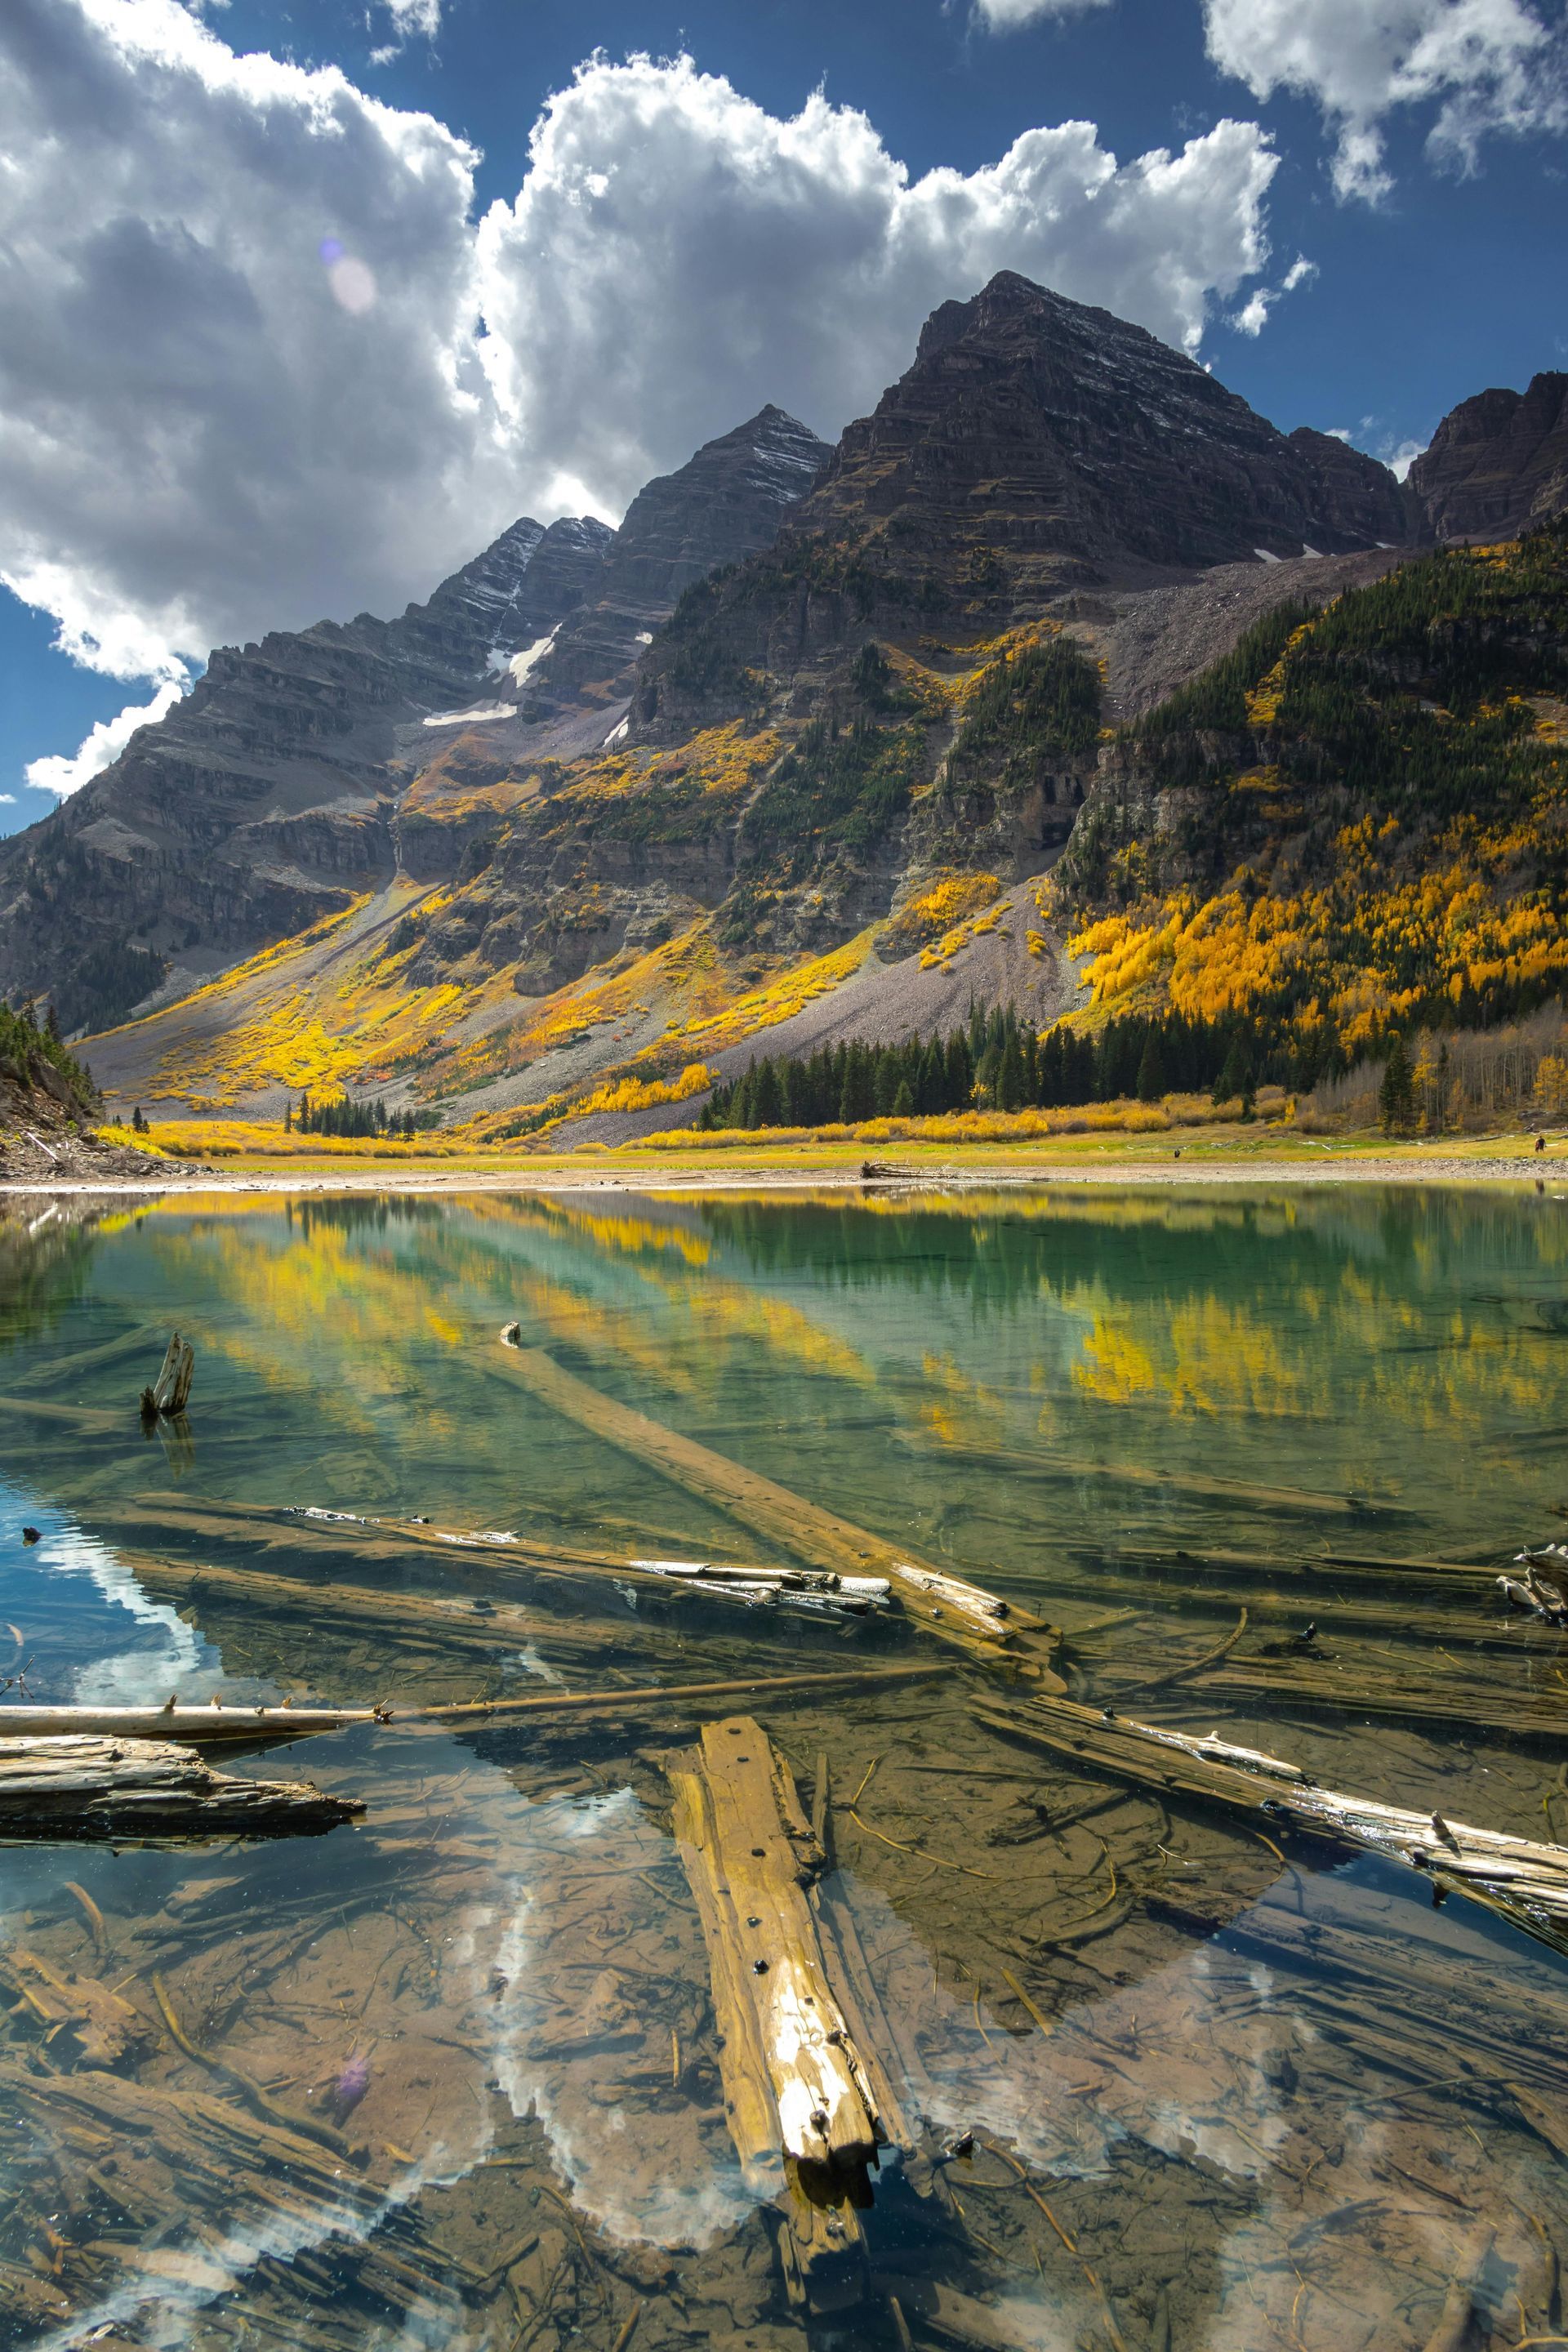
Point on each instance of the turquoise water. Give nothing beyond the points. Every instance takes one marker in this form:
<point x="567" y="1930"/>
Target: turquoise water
<point x="1228" y="2080"/>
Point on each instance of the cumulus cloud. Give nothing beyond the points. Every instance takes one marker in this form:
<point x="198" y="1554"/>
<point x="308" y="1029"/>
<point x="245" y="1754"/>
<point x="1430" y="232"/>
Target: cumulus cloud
<point x="258" y="363"/>
<point x="1489" y="65"/>
<point x="198" y="436"/>
<point x="676" y="255"/>
<point x="62" y="775"/>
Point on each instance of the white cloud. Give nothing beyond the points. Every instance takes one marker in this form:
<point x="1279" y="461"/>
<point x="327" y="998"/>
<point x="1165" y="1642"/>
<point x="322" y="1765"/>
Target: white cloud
<point x="1253" y="315"/>
<point x="408" y="17"/>
<point x="258" y="364"/>
<point x="677" y="256"/>
<point x="1007" y="15"/>
<point x="62" y="776"/>
<point x="1489" y="65"/>
<point x="196" y="439"/>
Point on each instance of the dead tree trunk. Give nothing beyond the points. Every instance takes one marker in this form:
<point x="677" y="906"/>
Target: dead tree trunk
<point x="87" y="1787"/>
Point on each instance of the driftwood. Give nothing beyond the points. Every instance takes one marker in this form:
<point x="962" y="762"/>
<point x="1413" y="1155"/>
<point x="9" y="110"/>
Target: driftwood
<point x="801" y="2103"/>
<point x="441" y="1618"/>
<point x="207" y="1724"/>
<point x="815" y="1592"/>
<point x="1316" y="1690"/>
<point x="87" y="1786"/>
<point x="1059" y="1469"/>
<point x="1525" y="1881"/>
<point x="809" y="1592"/>
<point x="979" y="1623"/>
<point x="170" y="1393"/>
<point x="1542" y="1585"/>
<point x="260" y="1725"/>
<point x="658" y="1694"/>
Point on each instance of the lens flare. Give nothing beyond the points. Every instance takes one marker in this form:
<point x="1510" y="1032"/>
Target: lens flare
<point x="351" y="283"/>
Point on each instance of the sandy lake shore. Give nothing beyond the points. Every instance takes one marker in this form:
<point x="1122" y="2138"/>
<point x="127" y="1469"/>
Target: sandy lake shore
<point x="794" y="1172"/>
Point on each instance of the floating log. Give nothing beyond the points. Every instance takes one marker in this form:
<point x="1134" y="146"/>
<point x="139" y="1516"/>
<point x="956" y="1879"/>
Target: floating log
<point x="1348" y="1567"/>
<point x="816" y="1591"/>
<point x="799" y="2098"/>
<point x="170" y="1393"/>
<point x="970" y="1618"/>
<point x="259" y="1725"/>
<point x="1525" y="1881"/>
<point x="87" y="1786"/>
<point x="213" y="1722"/>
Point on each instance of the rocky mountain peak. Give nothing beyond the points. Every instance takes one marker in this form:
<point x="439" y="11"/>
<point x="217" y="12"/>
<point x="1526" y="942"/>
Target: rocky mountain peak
<point x="1075" y="447"/>
<point x="725" y="503"/>
<point x="1497" y="464"/>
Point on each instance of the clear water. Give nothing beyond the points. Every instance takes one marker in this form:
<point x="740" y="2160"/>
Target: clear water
<point x="1219" y="2099"/>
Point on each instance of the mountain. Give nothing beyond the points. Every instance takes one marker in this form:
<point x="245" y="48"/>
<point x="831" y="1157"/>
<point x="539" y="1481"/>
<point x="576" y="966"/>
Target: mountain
<point x="724" y="504"/>
<point x="1497" y="465"/>
<point x="1355" y="823"/>
<point x="1046" y="443"/>
<point x="289" y="782"/>
<point x="896" y="685"/>
<point x="265" y="798"/>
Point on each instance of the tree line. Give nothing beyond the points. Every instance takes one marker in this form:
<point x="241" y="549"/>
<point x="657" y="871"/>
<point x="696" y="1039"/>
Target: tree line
<point x="995" y="1062"/>
<point x="28" y="1040"/>
<point x="342" y="1117"/>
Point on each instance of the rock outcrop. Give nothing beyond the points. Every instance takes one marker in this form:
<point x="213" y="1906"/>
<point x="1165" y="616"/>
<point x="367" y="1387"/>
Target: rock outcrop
<point x="1497" y="465"/>
<point x="724" y="504"/>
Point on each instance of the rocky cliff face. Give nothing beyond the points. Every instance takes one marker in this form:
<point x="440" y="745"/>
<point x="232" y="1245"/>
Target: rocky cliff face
<point x="1036" y="447"/>
<point x="263" y="801"/>
<point x="1498" y="465"/>
<point x="1072" y="446"/>
<point x="724" y="504"/>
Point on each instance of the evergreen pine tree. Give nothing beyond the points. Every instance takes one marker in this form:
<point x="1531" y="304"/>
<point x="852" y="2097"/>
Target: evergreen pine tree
<point x="1009" y="1086"/>
<point x="1151" y="1068"/>
<point x="1396" y="1096"/>
<point x="903" y="1102"/>
<point x="765" y="1103"/>
<point x="287" y="1114"/>
<point x="1235" y="1079"/>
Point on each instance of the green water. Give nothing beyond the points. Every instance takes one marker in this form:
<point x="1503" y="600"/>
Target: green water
<point x="1152" y="1409"/>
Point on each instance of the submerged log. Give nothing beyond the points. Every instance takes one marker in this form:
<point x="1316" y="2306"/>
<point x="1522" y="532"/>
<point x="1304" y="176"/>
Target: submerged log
<point x="800" y="2097"/>
<point x="812" y="1593"/>
<point x="86" y="1787"/>
<point x="1525" y="1881"/>
<point x="805" y="1686"/>
<point x="170" y="1393"/>
<point x="961" y="1613"/>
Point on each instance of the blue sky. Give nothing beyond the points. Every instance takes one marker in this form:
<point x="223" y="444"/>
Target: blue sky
<point x="169" y="493"/>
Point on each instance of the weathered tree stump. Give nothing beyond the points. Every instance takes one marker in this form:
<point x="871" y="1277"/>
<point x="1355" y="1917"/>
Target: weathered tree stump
<point x="171" y="1391"/>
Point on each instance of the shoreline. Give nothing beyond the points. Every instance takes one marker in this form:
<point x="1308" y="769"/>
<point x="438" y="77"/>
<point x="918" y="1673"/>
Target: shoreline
<point x="777" y="1176"/>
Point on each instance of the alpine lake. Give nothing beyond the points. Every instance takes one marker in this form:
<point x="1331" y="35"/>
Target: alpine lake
<point x="462" y="2071"/>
